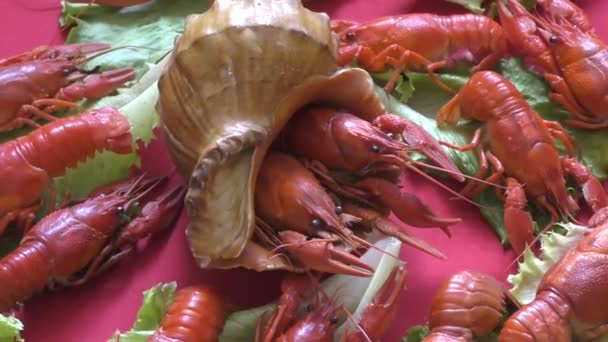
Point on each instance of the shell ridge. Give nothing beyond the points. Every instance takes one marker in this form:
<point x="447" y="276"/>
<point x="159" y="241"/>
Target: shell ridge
<point x="202" y="190"/>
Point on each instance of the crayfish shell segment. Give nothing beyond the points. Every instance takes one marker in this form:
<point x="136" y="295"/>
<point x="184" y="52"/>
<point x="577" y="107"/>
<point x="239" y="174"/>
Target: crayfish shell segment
<point x="349" y="89"/>
<point x="226" y="76"/>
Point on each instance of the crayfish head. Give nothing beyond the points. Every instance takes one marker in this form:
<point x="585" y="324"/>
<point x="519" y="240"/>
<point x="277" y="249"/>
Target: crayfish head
<point x="104" y="213"/>
<point x="568" y="44"/>
<point x="319" y="324"/>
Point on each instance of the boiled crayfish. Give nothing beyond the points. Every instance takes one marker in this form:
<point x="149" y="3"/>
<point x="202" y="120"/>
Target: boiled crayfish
<point x="421" y="41"/>
<point x="76" y="242"/>
<point x="468" y="304"/>
<point x="321" y="319"/>
<point x="570" y="298"/>
<point x="30" y="162"/>
<point x="38" y="83"/>
<point x="521" y="147"/>
<point x="562" y="41"/>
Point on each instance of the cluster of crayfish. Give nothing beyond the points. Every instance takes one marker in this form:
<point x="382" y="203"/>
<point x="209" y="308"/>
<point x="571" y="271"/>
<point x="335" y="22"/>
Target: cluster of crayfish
<point x="569" y="301"/>
<point x="330" y="174"/>
<point x="77" y="239"/>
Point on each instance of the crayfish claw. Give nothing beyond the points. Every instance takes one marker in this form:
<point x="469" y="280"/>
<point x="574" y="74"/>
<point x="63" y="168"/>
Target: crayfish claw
<point x="97" y="85"/>
<point x="375" y="220"/>
<point x="407" y="207"/>
<point x="321" y="255"/>
<point x="343" y="260"/>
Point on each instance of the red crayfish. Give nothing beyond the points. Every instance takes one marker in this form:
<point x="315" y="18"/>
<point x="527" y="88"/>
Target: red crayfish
<point x="562" y="41"/>
<point x="424" y="42"/>
<point x="30" y="162"/>
<point x="74" y="243"/>
<point x="196" y="314"/>
<point x="37" y="83"/>
<point x="320" y="321"/>
<point x="342" y="183"/>
<point x="468" y="304"/>
<point x="570" y="298"/>
<point x="520" y="145"/>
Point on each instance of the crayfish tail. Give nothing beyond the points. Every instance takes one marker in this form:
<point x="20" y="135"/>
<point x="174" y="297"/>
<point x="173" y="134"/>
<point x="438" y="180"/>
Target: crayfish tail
<point x="23" y="272"/>
<point x="546" y="316"/>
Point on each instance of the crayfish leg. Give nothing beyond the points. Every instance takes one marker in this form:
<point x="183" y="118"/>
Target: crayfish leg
<point x="378" y="315"/>
<point x="24" y="218"/>
<point x="518" y="223"/>
<point x="593" y="190"/>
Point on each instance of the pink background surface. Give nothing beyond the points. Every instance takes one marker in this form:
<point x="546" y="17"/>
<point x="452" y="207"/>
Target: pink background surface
<point x="94" y="311"/>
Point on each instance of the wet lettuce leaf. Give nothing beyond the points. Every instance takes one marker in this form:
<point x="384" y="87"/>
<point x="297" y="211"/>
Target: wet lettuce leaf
<point x="355" y="293"/>
<point x="10" y="329"/>
<point x="155" y="304"/>
<point x="416" y="333"/>
<point x="148" y="30"/>
<point x="554" y="245"/>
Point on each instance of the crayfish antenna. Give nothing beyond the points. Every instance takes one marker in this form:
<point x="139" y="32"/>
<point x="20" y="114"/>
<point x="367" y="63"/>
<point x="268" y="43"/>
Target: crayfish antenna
<point x="436" y="168"/>
<point x="87" y="59"/>
<point x="433" y="180"/>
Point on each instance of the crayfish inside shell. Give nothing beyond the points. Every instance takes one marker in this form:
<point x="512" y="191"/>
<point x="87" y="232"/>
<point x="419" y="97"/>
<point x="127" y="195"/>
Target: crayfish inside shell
<point x="291" y="162"/>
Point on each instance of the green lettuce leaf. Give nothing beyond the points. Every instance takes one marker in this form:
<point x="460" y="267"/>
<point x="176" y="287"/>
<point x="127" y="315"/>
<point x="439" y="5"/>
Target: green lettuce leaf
<point x="155" y="304"/>
<point x="416" y="333"/>
<point x="472" y="5"/>
<point x="10" y="329"/>
<point x="355" y="293"/>
<point x="554" y="245"/>
<point x="149" y="30"/>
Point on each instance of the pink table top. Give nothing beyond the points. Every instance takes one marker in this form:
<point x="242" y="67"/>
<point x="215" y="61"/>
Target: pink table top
<point x="94" y="311"/>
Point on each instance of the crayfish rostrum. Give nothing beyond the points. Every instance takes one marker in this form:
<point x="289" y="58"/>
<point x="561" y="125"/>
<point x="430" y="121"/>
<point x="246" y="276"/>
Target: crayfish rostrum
<point x="237" y="107"/>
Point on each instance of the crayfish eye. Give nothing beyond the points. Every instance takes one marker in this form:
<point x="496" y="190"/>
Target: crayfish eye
<point x="375" y="149"/>
<point x="339" y="210"/>
<point x="351" y="37"/>
<point x="334" y="320"/>
<point x="310" y="307"/>
<point x="553" y="39"/>
<point x="120" y="210"/>
<point x="318" y="223"/>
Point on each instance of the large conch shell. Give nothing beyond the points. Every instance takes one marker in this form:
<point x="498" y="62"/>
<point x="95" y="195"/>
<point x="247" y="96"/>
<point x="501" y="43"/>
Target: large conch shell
<point x="235" y="77"/>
